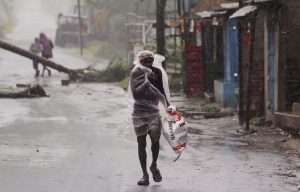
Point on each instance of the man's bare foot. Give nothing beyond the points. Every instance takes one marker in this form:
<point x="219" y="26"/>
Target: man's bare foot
<point x="144" y="181"/>
<point x="156" y="174"/>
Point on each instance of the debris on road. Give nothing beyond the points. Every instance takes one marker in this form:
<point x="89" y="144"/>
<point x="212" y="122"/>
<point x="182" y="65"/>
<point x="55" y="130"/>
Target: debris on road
<point x="289" y="174"/>
<point x="217" y="115"/>
<point x="30" y="91"/>
<point x="65" y="82"/>
<point x="23" y="85"/>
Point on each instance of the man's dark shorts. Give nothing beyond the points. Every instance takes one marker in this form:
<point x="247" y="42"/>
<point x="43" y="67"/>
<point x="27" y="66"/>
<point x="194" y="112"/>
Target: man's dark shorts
<point x="148" y="125"/>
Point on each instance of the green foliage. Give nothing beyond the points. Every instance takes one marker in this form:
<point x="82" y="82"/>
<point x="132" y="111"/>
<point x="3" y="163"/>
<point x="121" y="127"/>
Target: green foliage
<point x="117" y="10"/>
<point x="173" y="51"/>
<point x="95" y="49"/>
<point x="118" y="28"/>
<point x="175" y="83"/>
<point x="124" y="83"/>
<point x="117" y="70"/>
<point x="7" y="19"/>
<point x="7" y="28"/>
<point x="210" y="108"/>
<point x="123" y="6"/>
<point x="108" y="49"/>
<point x="113" y="6"/>
<point x="116" y="44"/>
<point x="150" y="47"/>
<point x="172" y="56"/>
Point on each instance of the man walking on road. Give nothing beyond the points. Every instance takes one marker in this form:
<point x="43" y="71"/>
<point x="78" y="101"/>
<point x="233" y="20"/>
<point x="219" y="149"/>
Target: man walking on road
<point x="147" y="88"/>
<point x="47" y="50"/>
<point x="36" y="48"/>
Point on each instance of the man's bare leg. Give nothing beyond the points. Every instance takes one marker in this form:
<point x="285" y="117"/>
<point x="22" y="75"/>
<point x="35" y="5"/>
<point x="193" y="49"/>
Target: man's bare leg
<point x="142" y="143"/>
<point x="153" y="168"/>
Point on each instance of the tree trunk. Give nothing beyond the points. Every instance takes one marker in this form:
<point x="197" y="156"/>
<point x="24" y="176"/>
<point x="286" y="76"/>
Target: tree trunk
<point x="72" y="73"/>
<point x="160" y="27"/>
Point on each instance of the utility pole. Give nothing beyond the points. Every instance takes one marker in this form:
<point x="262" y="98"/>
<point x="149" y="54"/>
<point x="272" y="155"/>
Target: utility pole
<point x="249" y="71"/>
<point x="182" y="23"/>
<point x="240" y="76"/>
<point x="80" y="27"/>
<point x="160" y="28"/>
<point x="175" y="34"/>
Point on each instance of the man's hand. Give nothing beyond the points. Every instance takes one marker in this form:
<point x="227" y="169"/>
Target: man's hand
<point x="153" y="77"/>
<point x="171" y="108"/>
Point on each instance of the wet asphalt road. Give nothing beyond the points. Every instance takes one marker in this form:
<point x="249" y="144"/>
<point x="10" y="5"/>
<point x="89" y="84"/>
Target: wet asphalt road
<point x="80" y="139"/>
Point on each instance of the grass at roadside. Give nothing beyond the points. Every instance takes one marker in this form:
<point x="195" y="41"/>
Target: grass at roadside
<point x="6" y="29"/>
<point x="100" y="50"/>
<point x="124" y="83"/>
<point x="106" y="49"/>
<point x="117" y="70"/>
<point x="175" y="83"/>
<point x="210" y="107"/>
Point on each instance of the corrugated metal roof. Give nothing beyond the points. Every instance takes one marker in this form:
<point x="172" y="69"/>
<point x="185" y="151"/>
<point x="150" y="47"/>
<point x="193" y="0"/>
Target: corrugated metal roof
<point x="74" y="16"/>
<point x="244" y="11"/>
<point x="230" y="5"/>
<point x="258" y="1"/>
<point x="210" y="5"/>
<point x="207" y="14"/>
<point x="261" y="1"/>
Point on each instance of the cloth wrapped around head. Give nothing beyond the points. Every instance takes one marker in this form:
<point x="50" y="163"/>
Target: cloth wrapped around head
<point x="145" y="55"/>
<point x="142" y="55"/>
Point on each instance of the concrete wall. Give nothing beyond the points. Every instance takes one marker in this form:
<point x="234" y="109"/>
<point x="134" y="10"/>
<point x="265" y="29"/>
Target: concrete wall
<point x="219" y="91"/>
<point x="290" y="62"/>
<point x="226" y="93"/>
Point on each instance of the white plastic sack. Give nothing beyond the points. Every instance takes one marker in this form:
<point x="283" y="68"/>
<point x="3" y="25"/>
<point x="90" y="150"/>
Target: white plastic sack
<point x="175" y="131"/>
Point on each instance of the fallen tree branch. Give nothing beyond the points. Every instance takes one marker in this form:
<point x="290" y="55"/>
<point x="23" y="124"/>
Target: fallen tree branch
<point x="29" y="92"/>
<point x="73" y="74"/>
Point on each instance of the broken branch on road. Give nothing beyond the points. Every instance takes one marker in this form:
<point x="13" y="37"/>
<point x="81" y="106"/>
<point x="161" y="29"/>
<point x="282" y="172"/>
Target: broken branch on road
<point x="30" y="91"/>
<point x="116" y="71"/>
<point x="73" y="74"/>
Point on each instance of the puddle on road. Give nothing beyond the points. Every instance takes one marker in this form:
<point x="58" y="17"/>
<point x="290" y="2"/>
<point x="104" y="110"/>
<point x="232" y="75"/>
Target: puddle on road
<point x="33" y="156"/>
<point x="199" y="138"/>
<point x="11" y="110"/>
<point x="195" y="131"/>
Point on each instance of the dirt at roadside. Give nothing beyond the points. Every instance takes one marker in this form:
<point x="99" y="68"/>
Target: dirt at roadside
<point x="265" y="137"/>
<point x="270" y="136"/>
